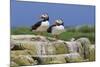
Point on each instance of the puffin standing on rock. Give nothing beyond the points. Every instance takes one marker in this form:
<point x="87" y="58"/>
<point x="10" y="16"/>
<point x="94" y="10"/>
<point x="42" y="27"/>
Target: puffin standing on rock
<point x="42" y="25"/>
<point x="57" y="28"/>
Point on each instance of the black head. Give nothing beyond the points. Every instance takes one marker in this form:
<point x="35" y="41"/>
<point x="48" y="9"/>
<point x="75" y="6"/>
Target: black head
<point x="59" y="22"/>
<point x="44" y="17"/>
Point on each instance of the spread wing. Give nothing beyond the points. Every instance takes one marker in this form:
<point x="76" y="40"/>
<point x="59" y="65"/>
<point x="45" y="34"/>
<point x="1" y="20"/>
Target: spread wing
<point x="35" y="26"/>
<point x="49" y="30"/>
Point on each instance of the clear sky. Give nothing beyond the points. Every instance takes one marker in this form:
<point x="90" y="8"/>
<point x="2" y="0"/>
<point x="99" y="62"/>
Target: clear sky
<point x="27" y="13"/>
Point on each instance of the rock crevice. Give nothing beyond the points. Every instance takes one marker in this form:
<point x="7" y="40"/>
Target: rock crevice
<point x="35" y="50"/>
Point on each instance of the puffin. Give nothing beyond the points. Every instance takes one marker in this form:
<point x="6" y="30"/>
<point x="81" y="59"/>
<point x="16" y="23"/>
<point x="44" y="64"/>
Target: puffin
<point x="57" y="28"/>
<point x="42" y="25"/>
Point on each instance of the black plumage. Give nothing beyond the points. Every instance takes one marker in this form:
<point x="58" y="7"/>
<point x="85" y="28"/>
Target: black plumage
<point x="35" y="26"/>
<point x="62" y="24"/>
<point x="49" y="30"/>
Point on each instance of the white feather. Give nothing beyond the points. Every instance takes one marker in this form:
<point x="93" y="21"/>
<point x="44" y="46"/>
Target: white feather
<point x="56" y="30"/>
<point x="43" y="27"/>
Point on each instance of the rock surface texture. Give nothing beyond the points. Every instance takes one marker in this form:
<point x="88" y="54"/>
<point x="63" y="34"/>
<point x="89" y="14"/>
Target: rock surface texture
<point x="36" y="50"/>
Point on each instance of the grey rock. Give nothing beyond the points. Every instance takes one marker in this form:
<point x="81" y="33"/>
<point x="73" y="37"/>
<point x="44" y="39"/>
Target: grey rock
<point x="34" y="50"/>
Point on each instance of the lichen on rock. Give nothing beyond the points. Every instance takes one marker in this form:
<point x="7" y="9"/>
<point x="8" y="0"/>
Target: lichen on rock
<point x="23" y="60"/>
<point x="36" y="50"/>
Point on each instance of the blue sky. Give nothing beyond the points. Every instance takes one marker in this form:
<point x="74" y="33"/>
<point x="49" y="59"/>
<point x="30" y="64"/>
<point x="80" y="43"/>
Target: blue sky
<point x="27" y="13"/>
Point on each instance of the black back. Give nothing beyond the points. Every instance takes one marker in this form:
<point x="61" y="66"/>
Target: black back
<point x="60" y="24"/>
<point x="35" y="26"/>
<point x="49" y="30"/>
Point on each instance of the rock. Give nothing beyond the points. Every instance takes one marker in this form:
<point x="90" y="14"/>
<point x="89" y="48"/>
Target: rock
<point x="61" y="58"/>
<point x="23" y="60"/>
<point x="92" y="53"/>
<point x="60" y="48"/>
<point x="73" y="57"/>
<point x="50" y="49"/>
<point x="58" y="60"/>
<point x="39" y="38"/>
<point x="74" y="46"/>
<point x="45" y="60"/>
<point x="51" y="39"/>
<point x="25" y="45"/>
<point x="51" y="59"/>
<point x="85" y="42"/>
<point x="13" y="64"/>
<point x="36" y="50"/>
<point x="22" y="52"/>
<point x="22" y="37"/>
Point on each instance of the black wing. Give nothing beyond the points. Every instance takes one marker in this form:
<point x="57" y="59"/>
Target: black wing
<point x="35" y="26"/>
<point x="49" y="30"/>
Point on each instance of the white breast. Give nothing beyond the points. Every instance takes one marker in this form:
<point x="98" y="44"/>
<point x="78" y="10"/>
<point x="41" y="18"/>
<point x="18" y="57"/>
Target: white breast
<point x="57" y="30"/>
<point x="43" y="27"/>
